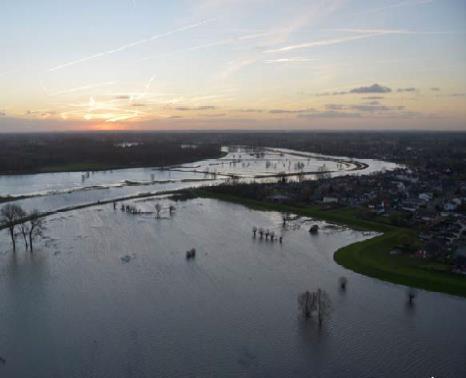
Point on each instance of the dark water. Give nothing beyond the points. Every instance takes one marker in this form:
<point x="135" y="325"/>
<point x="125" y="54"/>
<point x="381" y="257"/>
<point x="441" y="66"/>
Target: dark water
<point x="75" y="309"/>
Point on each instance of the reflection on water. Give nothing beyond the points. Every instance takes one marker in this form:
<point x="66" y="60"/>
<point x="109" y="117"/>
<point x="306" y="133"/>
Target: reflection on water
<point x="232" y="311"/>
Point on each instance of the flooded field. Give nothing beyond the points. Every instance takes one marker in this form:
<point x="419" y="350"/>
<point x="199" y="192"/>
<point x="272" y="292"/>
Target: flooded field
<point x="109" y="294"/>
<point x="51" y="191"/>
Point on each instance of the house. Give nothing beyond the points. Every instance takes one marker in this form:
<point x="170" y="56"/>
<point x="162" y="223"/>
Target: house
<point x="450" y="206"/>
<point x="426" y="197"/>
<point x="330" y="200"/>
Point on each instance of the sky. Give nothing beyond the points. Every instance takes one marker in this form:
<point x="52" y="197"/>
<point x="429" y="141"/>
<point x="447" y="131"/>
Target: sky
<point x="232" y="64"/>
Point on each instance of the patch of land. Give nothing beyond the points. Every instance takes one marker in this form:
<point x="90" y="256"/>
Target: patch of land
<point x="25" y="154"/>
<point x="371" y="257"/>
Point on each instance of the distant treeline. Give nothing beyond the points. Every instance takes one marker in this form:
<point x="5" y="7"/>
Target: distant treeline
<point x="39" y="152"/>
<point x="30" y="153"/>
<point x="416" y="148"/>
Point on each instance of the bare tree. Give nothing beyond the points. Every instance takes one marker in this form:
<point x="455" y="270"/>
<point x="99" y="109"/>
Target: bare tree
<point x="306" y="303"/>
<point x="10" y="216"/>
<point x="411" y="295"/>
<point x="158" y="209"/>
<point x="36" y="227"/>
<point x="323" y="305"/>
<point x="171" y="209"/>
<point x="261" y="232"/>
<point x="24" y="229"/>
<point x="316" y="303"/>
<point x="343" y="281"/>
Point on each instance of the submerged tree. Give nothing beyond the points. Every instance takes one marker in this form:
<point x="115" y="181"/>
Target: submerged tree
<point x="343" y="282"/>
<point x="158" y="209"/>
<point x="24" y="229"/>
<point x="411" y="295"/>
<point x="36" y="227"/>
<point x="10" y="216"/>
<point x="306" y="303"/>
<point x="315" y="304"/>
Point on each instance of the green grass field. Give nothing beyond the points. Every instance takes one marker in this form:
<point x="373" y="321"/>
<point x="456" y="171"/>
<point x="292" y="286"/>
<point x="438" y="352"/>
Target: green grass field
<point x="370" y="257"/>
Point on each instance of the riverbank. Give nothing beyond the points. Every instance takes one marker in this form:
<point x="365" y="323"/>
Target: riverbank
<point x="370" y="257"/>
<point x="99" y="167"/>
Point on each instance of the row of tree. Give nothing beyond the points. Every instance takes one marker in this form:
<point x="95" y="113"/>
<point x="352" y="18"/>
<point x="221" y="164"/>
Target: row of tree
<point x="18" y="222"/>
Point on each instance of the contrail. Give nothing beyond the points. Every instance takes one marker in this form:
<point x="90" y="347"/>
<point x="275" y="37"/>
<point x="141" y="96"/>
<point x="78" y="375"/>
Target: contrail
<point x="127" y="46"/>
<point x="327" y="42"/>
<point x="77" y="89"/>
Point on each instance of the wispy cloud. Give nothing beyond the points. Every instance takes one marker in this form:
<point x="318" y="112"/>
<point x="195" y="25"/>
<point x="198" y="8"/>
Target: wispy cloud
<point x="235" y="66"/>
<point x="290" y="60"/>
<point x="195" y="108"/>
<point x="128" y="46"/>
<point x="330" y="114"/>
<point x="81" y="88"/>
<point x="325" y="42"/>
<point x="248" y="110"/>
<point x="409" y="89"/>
<point x="374" y="88"/>
<point x="401" y="4"/>
<point x="291" y="111"/>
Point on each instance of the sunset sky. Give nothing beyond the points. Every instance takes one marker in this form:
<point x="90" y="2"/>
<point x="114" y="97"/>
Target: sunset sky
<point x="226" y="64"/>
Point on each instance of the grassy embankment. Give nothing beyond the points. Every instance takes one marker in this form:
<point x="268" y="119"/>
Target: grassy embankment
<point x="370" y="257"/>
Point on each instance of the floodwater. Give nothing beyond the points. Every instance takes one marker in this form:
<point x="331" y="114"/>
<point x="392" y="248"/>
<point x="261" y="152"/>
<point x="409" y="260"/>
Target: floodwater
<point x="52" y="191"/>
<point x="110" y="294"/>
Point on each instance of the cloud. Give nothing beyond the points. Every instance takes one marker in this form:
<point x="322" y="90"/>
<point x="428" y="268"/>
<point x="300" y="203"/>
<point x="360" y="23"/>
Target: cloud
<point x="410" y="89"/>
<point x="326" y="42"/>
<point x="127" y="46"/>
<point x="373" y="98"/>
<point x="376" y="108"/>
<point x="336" y="106"/>
<point x="435" y="89"/>
<point x="215" y="115"/>
<point x="288" y="111"/>
<point x="367" y="107"/>
<point x="374" y="88"/>
<point x="398" y="5"/>
<point x="289" y="60"/>
<point x="235" y="66"/>
<point x="336" y="93"/>
<point x="78" y="89"/>
<point x="248" y="110"/>
<point x="330" y="114"/>
<point x="196" y="108"/>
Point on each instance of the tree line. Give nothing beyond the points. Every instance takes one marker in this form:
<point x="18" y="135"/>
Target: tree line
<point x="76" y="152"/>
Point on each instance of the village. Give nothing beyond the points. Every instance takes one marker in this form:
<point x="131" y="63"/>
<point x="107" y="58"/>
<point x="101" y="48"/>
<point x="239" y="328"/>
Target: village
<point x="431" y="200"/>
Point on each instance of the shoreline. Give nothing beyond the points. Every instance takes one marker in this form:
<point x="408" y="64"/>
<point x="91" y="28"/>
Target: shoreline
<point x="369" y="257"/>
